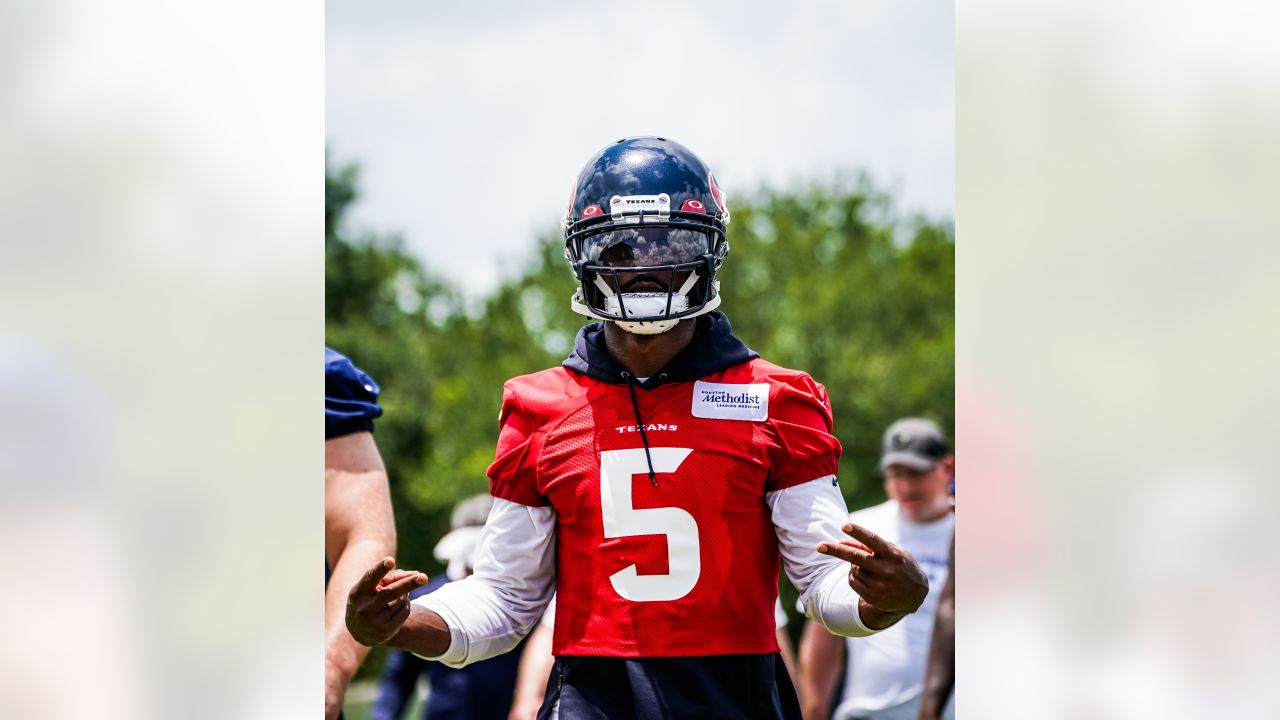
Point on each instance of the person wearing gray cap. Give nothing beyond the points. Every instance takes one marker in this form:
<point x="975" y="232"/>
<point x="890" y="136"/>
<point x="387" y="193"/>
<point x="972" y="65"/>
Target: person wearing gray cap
<point x="884" y="678"/>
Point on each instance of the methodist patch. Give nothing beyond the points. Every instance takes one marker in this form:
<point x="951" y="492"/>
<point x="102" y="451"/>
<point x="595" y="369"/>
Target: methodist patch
<point x="728" y="401"/>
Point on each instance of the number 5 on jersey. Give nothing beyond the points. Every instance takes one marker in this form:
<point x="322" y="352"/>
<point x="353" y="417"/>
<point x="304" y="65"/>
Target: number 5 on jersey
<point x="621" y="519"/>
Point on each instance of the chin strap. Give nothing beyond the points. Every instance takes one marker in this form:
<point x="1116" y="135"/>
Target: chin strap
<point x="677" y="301"/>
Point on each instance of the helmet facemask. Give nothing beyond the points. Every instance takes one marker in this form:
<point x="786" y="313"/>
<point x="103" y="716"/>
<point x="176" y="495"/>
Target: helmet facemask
<point x="647" y="277"/>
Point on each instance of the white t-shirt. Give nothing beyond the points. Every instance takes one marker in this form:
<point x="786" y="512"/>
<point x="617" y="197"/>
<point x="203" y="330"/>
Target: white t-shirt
<point x="887" y="669"/>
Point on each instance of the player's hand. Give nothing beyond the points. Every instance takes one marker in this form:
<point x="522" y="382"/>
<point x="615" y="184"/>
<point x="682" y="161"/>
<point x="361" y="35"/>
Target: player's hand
<point x="378" y="603"/>
<point x="889" y="583"/>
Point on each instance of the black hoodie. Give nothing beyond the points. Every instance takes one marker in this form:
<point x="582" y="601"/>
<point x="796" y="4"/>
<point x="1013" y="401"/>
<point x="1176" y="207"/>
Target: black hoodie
<point x="714" y="348"/>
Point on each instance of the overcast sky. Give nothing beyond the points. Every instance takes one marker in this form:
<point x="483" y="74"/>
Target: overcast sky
<point x="471" y="121"/>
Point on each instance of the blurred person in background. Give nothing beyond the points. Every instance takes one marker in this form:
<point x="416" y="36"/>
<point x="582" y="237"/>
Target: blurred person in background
<point x="656" y="479"/>
<point x="885" y="672"/>
<point x="938" y="700"/>
<point x="359" y="529"/>
<point x="482" y="691"/>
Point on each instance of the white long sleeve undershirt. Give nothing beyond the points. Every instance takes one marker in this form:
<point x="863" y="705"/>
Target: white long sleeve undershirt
<point x="489" y="612"/>
<point x="804" y="516"/>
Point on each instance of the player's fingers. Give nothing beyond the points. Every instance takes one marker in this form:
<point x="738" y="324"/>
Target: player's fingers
<point x="874" y="564"/>
<point x="399" y="615"/>
<point x="855" y="544"/>
<point x="382" y="612"/>
<point x="868" y="538"/>
<point x="369" y="581"/>
<point x="381" y="597"/>
<point x="844" y="552"/>
<point x="393" y="576"/>
<point x="863" y="588"/>
<point x="400" y="587"/>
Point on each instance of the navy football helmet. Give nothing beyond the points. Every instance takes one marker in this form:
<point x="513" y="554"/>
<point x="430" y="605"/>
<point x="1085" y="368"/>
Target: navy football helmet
<point x="645" y="234"/>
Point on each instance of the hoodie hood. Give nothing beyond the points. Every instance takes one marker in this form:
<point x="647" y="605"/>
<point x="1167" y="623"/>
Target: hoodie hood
<point x="714" y="348"/>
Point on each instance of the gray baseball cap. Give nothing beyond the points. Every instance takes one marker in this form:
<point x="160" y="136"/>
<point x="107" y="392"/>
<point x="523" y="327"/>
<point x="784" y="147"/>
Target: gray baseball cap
<point x="914" y="442"/>
<point x="457" y="549"/>
<point x="471" y="512"/>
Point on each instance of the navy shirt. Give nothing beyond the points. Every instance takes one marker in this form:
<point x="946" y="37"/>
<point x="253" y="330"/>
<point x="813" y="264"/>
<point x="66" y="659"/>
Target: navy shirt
<point x="350" y="404"/>
<point x="350" y="397"/>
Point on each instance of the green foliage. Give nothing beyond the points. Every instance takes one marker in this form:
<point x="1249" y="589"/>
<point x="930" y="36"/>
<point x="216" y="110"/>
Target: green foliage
<point x="441" y="369"/>
<point x="824" y="278"/>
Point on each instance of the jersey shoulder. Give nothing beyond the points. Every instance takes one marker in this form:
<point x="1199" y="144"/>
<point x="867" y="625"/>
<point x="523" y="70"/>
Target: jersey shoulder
<point x="797" y="427"/>
<point x="545" y="396"/>
<point x="783" y="382"/>
<point x="791" y="392"/>
<point x="531" y="406"/>
<point x="350" y="396"/>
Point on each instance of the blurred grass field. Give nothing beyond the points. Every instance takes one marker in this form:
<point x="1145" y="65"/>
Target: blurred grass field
<point x="362" y="693"/>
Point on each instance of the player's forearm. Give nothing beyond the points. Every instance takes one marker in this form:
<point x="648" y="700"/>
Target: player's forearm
<point x="343" y="654"/>
<point x="940" y="668"/>
<point x="937" y="688"/>
<point x="788" y="655"/>
<point x="425" y="633"/>
<point x="835" y="605"/>
<point x="820" y="656"/>
<point x="815" y="708"/>
<point x="939" y="676"/>
<point x="531" y="679"/>
<point x="342" y="657"/>
<point x="877" y="619"/>
<point x="489" y="612"/>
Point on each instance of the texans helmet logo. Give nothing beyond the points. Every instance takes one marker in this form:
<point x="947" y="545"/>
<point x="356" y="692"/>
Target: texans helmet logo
<point x="717" y="194"/>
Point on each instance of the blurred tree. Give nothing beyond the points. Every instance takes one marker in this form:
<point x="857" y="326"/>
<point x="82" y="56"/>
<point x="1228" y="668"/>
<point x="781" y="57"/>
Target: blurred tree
<point x="824" y="278"/>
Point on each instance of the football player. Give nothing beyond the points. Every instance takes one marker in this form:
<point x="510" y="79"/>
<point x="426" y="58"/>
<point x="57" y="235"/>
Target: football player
<point x="656" y="479"/>
<point x="358" y="524"/>
<point x="884" y="678"/>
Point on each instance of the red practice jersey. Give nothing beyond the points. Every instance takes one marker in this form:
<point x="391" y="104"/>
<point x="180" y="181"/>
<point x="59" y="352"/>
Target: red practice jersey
<point x="686" y="567"/>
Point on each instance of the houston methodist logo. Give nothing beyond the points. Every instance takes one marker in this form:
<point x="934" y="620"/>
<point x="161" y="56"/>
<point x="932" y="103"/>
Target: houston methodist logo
<point x="720" y="398"/>
<point x="731" y="401"/>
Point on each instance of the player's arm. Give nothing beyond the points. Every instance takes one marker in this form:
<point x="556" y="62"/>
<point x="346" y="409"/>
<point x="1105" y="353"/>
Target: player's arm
<point x="478" y="617"/>
<point x="490" y="611"/>
<point x="531" y="680"/>
<point x="788" y="654"/>
<point x="359" y="531"/>
<point x="850" y="580"/>
<point x="820" y="656"/>
<point x="853" y="587"/>
<point x="940" y="670"/>
<point x="785" y="648"/>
